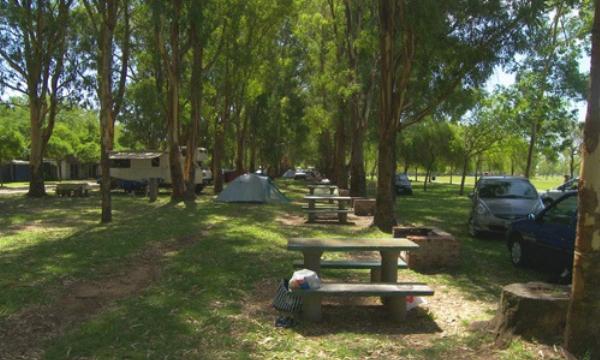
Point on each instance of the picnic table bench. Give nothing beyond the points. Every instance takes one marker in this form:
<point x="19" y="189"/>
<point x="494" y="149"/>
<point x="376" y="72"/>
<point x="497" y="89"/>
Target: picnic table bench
<point x="72" y="189"/>
<point x="393" y="294"/>
<point x="341" y="210"/>
<point x="331" y="188"/>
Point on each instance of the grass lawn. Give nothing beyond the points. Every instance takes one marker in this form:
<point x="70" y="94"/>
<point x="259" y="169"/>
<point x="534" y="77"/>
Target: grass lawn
<point x="196" y="281"/>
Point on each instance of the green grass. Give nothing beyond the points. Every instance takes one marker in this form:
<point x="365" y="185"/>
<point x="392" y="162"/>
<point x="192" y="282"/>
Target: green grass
<point x="541" y="183"/>
<point x="212" y="298"/>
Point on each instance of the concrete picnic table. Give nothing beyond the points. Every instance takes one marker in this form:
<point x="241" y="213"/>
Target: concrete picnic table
<point x="332" y="188"/>
<point x="388" y="248"/>
<point x="341" y="211"/>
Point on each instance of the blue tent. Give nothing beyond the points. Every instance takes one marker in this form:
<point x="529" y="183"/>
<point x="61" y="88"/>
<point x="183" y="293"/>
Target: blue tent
<point x="251" y="188"/>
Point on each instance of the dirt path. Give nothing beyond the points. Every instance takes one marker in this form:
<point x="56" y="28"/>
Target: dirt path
<point x="23" y="335"/>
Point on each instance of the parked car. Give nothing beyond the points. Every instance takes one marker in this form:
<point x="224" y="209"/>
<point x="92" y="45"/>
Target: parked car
<point x="402" y="185"/>
<point x="552" y="195"/>
<point x="499" y="200"/>
<point x="547" y="237"/>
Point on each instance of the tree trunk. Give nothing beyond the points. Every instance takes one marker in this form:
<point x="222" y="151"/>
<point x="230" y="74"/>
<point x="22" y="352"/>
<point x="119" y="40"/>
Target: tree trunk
<point x="583" y="327"/>
<point x="384" y="211"/>
<point x="358" y="181"/>
<point x="241" y="145"/>
<point x="451" y="173"/>
<point x="416" y="173"/>
<point x="252" y="153"/>
<point x="36" y="182"/>
<point x="340" y="177"/>
<point x="572" y="164"/>
<point x="530" y="151"/>
<point x="196" y="88"/>
<point x="106" y="108"/>
<point x="177" y="183"/>
<point x="464" y="176"/>
<point x="219" y="147"/>
<point x="427" y="177"/>
<point x="512" y="166"/>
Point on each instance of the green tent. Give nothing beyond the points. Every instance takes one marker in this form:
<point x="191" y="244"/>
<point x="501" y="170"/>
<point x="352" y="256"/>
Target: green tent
<point x="251" y="188"/>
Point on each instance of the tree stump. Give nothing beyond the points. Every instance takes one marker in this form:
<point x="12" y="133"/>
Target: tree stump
<point x="533" y="310"/>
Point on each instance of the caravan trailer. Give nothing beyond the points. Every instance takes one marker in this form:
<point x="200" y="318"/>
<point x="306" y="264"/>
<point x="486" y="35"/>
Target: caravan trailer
<point x="133" y="169"/>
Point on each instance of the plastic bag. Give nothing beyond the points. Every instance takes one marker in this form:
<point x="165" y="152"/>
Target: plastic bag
<point x="304" y="279"/>
<point x="414" y="301"/>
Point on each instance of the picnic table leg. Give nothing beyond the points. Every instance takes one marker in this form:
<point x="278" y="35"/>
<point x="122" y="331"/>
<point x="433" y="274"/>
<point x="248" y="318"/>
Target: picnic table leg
<point x="342" y="217"/>
<point x="312" y="217"/>
<point x="376" y="274"/>
<point x="312" y="260"/>
<point x="389" y="269"/>
<point x="396" y="306"/>
<point x="311" y="308"/>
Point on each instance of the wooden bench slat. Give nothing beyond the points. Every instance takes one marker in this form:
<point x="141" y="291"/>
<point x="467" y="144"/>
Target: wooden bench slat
<point x="368" y="289"/>
<point x="350" y="264"/>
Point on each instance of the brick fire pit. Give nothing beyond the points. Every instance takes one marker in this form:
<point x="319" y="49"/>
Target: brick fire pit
<point x="437" y="248"/>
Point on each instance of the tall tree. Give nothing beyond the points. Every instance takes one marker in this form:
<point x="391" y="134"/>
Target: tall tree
<point x="104" y="17"/>
<point x="169" y="18"/>
<point x="34" y="42"/>
<point x="429" y="53"/>
<point x="581" y="334"/>
<point x="361" y="54"/>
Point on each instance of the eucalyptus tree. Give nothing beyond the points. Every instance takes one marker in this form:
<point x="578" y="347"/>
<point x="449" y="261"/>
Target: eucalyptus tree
<point x="549" y="72"/>
<point x="430" y="53"/>
<point x="432" y="140"/>
<point x="35" y="40"/>
<point x="478" y="132"/>
<point x="361" y="52"/>
<point x="169" y="22"/>
<point x="582" y="327"/>
<point x="109" y="28"/>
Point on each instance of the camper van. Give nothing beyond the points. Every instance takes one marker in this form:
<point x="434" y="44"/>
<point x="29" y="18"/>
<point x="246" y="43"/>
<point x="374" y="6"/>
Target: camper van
<point x="133" y="169"/>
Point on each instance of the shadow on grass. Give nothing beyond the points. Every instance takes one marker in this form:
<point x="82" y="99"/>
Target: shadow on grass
<point x="367" y="319"/>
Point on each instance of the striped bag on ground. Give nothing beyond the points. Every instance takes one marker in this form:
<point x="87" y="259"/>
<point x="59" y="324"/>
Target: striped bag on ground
<point x="285" y="300"/>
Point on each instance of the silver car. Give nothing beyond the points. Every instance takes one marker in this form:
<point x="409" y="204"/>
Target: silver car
<point x="500" y="200"/>
<point x="552" y="195"/>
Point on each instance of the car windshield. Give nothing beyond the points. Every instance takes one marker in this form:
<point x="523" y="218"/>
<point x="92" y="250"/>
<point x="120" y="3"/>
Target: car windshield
<point x="507" y="189"/>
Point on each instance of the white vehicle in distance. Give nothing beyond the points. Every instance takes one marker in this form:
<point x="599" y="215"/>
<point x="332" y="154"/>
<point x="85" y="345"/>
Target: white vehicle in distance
<point x="133" y="169"/>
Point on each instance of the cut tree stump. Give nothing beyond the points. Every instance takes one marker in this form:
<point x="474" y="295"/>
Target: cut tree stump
<point x="533" y="310"/>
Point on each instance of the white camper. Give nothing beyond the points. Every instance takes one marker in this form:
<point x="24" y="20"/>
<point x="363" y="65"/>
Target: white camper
<point x="140" y="166"/>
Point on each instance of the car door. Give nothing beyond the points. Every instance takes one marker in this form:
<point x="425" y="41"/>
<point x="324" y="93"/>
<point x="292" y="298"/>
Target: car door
<point x="556" y="232"/>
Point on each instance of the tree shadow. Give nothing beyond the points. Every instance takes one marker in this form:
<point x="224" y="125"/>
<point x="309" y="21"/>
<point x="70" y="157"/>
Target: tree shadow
<point x="367" y="319"/>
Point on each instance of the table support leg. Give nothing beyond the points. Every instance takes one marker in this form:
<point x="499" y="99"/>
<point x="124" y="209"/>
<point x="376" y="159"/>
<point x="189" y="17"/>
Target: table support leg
<point x="396" y="306"/>
<point x="312" y="260"/>
<point x="376" y="275"/>
<point x="311" y="308"/>
<point x="389" y="269"/>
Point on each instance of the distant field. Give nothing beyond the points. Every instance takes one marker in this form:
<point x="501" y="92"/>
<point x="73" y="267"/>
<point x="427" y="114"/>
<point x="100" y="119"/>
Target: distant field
<point x="541" y="183"/>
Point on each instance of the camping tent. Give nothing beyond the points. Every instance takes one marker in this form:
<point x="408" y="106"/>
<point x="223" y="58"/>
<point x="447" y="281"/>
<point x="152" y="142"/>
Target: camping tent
<point x="289" y="174"/>
<point x="252" y="188"/>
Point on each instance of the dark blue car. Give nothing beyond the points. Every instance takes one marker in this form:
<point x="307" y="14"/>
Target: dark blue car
<point x="547" y="237"/>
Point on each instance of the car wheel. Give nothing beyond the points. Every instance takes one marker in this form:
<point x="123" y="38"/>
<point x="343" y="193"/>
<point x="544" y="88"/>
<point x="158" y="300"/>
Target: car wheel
<point x="518" y="253"/>
<point x="472" y="230"/>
